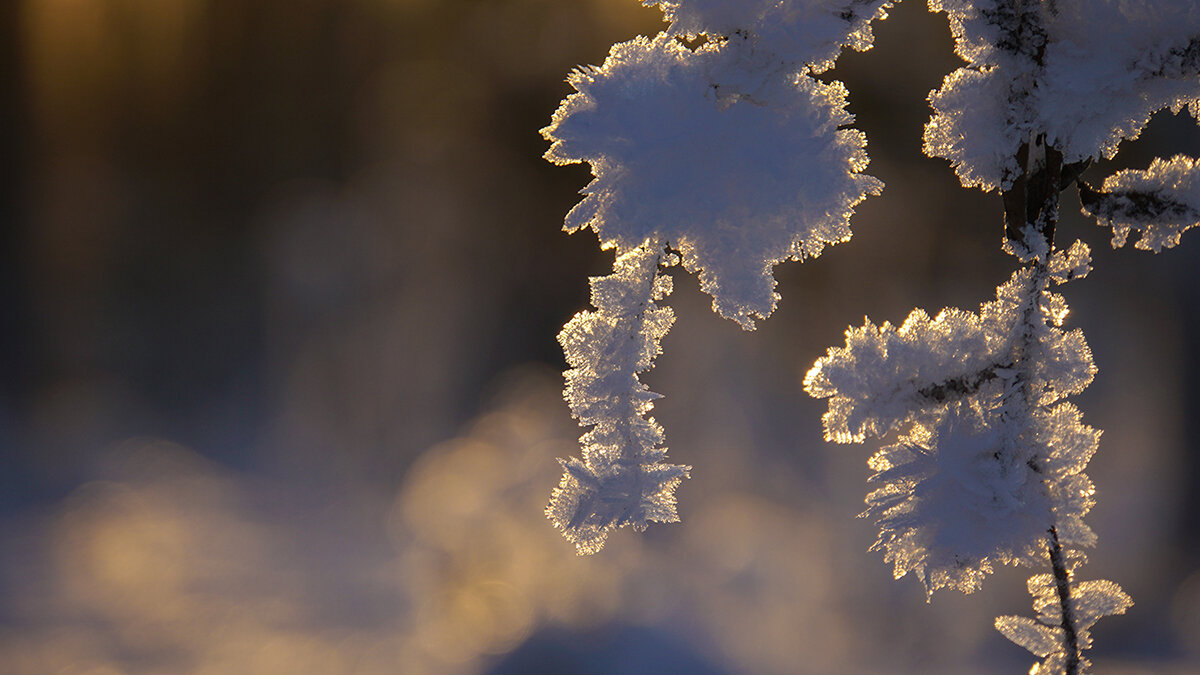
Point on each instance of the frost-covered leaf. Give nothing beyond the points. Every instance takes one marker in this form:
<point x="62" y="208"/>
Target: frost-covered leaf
<point x="1160" y="203"/>
<point x="885" y="377"/>
<point x="1073" y="263"/>
<point x="1091" y="600"/>
<point x="714" y="154"/>
<point x="621" y="479"/>
<point x="1048" y="637"/>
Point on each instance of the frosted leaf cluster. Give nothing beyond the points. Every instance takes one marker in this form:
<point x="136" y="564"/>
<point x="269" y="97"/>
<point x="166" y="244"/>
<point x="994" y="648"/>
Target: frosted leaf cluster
<point x="1085" y="73"/>
<point x="1160" y="203"/>
<point x="621" y="479"/>
<point x="1046" y="637"/>
<point x="730" y="147"/>
<point x="989" y="459"/>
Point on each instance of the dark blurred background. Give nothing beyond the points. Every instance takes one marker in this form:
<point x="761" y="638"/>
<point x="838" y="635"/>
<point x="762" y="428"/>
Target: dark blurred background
<point x="279" y="389"/>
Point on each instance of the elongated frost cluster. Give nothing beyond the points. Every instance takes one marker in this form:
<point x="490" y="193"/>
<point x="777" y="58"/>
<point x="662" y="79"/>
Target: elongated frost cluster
<point x="621" y="479"/>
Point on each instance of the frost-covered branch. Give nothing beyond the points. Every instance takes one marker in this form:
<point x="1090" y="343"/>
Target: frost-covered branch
<point x="1059" y="614"/>
<point x="715" y="136"/>
<point x="1161" y="202"/>
<point x="987" y="462"/>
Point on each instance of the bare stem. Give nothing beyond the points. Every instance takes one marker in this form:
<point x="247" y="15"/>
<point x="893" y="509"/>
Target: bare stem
<point x="1062" y="582"/>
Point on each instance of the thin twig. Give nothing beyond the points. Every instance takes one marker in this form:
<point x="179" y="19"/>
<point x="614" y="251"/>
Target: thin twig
<point x="1062" y="582"/>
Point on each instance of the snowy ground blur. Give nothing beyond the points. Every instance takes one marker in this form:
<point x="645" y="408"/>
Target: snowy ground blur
<point x="279" y="391"/>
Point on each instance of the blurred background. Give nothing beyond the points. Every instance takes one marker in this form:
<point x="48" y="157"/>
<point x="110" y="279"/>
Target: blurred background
<point x="279" y="389"/>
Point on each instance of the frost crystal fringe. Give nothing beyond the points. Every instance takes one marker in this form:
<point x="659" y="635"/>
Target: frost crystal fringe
<point x="1160" y="203"/>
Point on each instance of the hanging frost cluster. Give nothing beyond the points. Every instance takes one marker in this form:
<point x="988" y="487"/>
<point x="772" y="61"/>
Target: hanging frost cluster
<point x="729" y="147"/>
<point x="713" y="146"/>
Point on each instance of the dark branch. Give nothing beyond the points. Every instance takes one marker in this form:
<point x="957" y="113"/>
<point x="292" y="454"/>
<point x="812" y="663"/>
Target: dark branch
<point x="964" y="385"/>
<point x="1072" y="172"/>
<point x="1033" y="197"/>
<point x="1062" y="582"/>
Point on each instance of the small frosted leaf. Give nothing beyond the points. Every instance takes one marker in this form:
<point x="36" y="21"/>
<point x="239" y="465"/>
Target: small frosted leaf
<point x="1073" y="263"/>
<point x="1091" y="600"/>
<point x="1040" y="639"/>
<point x="1045" y="599"/>
<point x="1064" y="365"/>
<point x="1054" y="308"/>
<point x="1160" y="203"/>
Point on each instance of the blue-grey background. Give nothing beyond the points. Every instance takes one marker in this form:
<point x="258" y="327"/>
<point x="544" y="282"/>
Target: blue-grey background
<point x="279" y="388"/>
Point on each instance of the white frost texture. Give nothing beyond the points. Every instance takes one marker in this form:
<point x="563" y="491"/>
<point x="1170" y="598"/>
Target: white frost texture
<point x="989" y="459"/>
<point x="1045" y="637"/>
<point x="1086" y="73"/>
<point x="621" y="479"/>
<point x="1160" y="203"/>
<point x="737" y="168"/>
